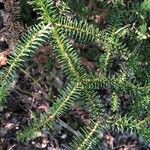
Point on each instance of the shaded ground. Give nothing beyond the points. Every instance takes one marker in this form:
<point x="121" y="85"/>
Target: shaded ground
<point x="35" y="89"/>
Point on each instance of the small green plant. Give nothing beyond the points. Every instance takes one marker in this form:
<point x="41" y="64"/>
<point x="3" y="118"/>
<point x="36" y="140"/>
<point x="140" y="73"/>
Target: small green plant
<point x="56" y="27"/>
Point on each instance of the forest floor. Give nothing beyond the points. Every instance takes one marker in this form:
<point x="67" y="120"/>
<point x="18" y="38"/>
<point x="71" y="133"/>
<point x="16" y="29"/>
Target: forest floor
<point x="37" y="84"/>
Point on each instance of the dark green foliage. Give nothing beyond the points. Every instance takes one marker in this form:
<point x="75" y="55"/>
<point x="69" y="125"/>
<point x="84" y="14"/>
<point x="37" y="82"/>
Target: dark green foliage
<point x="25" y="48"/>
<point x="25" y="13"/>
<point x="123" y="64"/>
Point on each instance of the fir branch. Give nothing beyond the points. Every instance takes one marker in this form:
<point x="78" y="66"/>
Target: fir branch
<point x="35" y="37"/>
<point x="92" y="103"/>
<point x="81" y="31"/>
<point x="63" y="9"/>
<point x="66" y="55"/>
<point x="62" y="103"/>
<point x="46" y="9"/>
<point x="62" y="47"/>
<point x="57" y="28"/>
<point x="88" y="138"/>
<point x="128" y="124"/>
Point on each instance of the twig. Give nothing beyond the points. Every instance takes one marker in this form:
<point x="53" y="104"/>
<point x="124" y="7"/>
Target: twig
<point x="68" y="128"/>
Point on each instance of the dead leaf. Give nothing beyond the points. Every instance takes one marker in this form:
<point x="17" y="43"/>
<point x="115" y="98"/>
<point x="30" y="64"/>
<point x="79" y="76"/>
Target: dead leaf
<point x="100" y="19"/>
<point x="3" y="57"/>
<point x="109" y="140"/>
<point x="9" y="125"/>
<point x="43" y="108"/>
<point x="40" y="59"/>
<point x="89" y="65"/>
<point x="43" y="56"/>
<point x="47" y="50"/>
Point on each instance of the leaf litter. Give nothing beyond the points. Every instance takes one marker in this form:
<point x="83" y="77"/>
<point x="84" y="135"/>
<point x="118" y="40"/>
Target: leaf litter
<point x="36" y="88"/>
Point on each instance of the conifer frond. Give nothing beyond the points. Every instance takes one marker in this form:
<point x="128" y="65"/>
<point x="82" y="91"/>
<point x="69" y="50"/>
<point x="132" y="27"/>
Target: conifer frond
<point x="89" y="137"/>
<point x="62" y="47"/>
<point x="66" y="55"/>
<point x="64" y="10"/>
<point x="66" y="98"/>
<point x="23" y="12"/>
<point x="94" y="81"/>
<point x="133" y="126"/>
<point x="58" y="27"/>
<point x="46" y="9"/>
<point x="114" y="48"/>
<point x="35" y="37"/>
<point x="92" y="103"/>
<point x="142" y="103"/>
<point x="81" y="31"/>
<point x="115" y="102"/>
